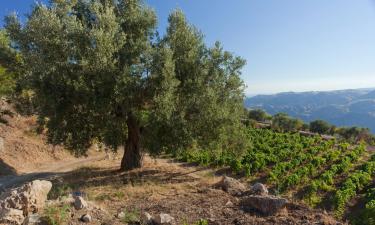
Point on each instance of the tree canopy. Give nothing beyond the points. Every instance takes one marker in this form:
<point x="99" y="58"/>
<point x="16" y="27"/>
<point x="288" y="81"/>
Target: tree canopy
<point x="258" y="115"/>
<point x="284" y="123"/>
<point x="100" y="72"/>
<point x="320" y="126"/>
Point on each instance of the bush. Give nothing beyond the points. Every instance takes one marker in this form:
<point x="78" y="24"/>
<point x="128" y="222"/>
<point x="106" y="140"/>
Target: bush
<point x="57" y="215"/>
<point x="320" y="126"/>
<point x="131" y="216"/>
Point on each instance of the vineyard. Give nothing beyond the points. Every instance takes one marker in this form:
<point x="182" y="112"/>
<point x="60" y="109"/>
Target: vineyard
<point x="324" y="174"/>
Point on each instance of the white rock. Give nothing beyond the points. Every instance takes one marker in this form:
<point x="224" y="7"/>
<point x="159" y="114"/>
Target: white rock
<point x="23" y="201"/>
<point x="121" y="215"/>
<point x="164" y="218"/>
<point x="11" y="216"/>
<point x="36" y="194"/>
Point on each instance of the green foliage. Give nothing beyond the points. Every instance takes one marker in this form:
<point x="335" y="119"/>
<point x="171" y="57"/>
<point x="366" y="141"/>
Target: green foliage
<point x="199" y="222"/>
<point x="284" y="151"/>
<point x="60" y="190"/>
<point x="7" y="82"/>
<point x="202" y="222"/>
<point x="7" y="78"/>
<point x="356" y="134"/>
<point x="209" y="94"/>
<point x="258" y="115"/>
<point x="131" y="216"/>
<point x="319" y="126"/>
<point x="283" y="123"/>
<point x="354" y="183"/>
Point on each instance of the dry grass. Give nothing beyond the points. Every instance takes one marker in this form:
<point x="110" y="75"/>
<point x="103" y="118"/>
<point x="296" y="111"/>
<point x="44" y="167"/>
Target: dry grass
<point x="163" y="186"/>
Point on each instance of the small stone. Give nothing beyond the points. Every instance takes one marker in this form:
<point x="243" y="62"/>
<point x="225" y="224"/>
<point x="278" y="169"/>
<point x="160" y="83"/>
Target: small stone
<point x="146" y="218"/>
<point x="259" y="189"/>
<point x="86" y="218"/>
<point x="165" y="219"/>
<point x="229" y="204"/>
<point x="80" y="203"/>
<point x="121" y="215"/>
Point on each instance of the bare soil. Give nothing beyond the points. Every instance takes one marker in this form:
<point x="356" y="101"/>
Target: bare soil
<point x="22" y="150"/>
<point x="25" y="154"/>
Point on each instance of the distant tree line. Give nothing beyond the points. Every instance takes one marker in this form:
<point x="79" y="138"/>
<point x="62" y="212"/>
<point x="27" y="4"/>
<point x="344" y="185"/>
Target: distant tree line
<point x="282" y="122"/>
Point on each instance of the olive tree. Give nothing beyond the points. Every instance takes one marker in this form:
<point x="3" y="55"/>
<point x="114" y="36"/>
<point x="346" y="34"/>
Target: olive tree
<point x="100" y="72"/>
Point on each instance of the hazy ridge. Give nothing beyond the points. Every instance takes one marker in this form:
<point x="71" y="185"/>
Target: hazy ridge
<point x="354" y="107"/>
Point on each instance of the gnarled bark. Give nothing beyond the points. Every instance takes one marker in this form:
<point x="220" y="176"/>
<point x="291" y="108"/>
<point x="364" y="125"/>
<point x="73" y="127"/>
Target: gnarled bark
<point x="132" y="156"/>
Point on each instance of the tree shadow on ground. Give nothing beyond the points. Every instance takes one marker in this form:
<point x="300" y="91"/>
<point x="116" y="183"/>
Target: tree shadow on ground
<point x="6" y="170"/>
<point x="98" y="177"/>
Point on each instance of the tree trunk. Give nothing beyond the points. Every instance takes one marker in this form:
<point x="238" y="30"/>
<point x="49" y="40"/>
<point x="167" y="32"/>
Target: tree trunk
<point x="132" y="156"/>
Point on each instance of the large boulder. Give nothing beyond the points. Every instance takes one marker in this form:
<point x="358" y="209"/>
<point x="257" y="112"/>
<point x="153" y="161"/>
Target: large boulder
<point x="232" y="186"/>
<point x="268" y="205"/>
<point x="28" y="199"/>
<point x="11" y="216"/>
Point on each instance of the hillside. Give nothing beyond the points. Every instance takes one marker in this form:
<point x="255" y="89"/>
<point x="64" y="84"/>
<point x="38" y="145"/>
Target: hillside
<point x="341" y="108"/>
<point x="22" y="150"/>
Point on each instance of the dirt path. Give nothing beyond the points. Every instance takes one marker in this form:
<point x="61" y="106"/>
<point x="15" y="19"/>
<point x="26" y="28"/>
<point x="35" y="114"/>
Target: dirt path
<point x="49" y="171"/>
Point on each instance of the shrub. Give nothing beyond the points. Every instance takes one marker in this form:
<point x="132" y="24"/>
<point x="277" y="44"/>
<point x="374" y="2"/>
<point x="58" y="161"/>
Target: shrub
<point x="57" y="215"/>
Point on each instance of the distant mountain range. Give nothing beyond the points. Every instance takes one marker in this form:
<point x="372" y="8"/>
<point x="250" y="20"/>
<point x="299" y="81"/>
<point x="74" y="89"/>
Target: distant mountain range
<point x="342" y="108"/>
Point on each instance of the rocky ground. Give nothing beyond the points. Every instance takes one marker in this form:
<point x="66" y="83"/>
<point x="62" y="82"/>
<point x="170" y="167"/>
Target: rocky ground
<point x="93" y="190"/>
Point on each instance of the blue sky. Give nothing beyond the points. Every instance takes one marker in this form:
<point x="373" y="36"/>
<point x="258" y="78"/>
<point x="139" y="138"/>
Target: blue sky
<point x="289" y="45"/>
